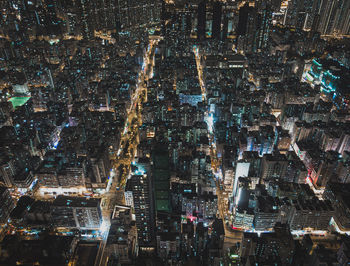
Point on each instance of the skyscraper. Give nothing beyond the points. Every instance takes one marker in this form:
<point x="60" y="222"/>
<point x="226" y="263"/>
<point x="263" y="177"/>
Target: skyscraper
<point x="334" y="17"/>
<point x="141" y="187"/>
<point x="245" y="14"/>
<point x="6" y="204"/>
<point x="299" y="14"/>
<point x="86" y="19"/>
<point x="225" y="27"/>
<point x="315" y="23"/>
<point x="161" y="179"/>
<point x="264" y="22"/>
<point x="111" y="16"/>
<point x="201" y="20"/>
<point x="247" y="29"/>
<point x="216" y="26"/>
<point x="76" y="212"/>
<point x="105" y="12"/>
<point x="137" y="14"/>
<point x="7" y="170"/>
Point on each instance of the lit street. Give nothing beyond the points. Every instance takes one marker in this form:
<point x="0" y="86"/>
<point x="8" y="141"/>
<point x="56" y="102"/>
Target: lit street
<point x="175" y="133"/>
<point x="231" y="236"/>
<point x="116" y="193"/>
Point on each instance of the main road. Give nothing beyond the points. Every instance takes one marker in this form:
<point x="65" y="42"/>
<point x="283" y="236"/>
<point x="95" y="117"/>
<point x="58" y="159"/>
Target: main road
<point x="231" y="236"/>
<point x="129" y="139"/>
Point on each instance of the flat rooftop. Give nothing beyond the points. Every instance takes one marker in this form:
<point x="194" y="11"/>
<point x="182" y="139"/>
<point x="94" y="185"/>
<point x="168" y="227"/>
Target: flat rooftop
<point x="76" y="202"/>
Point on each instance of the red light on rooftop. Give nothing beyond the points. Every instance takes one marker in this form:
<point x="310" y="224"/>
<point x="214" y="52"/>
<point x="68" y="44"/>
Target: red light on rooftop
<point x="192" y="218"/>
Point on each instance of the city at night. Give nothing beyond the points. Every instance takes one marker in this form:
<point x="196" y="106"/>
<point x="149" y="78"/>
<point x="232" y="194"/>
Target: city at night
<point x="175" y="132"/>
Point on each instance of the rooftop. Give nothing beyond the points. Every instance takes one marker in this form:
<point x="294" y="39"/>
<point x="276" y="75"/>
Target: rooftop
<point x="18" y="100"/>
<point x="76" y="202"/>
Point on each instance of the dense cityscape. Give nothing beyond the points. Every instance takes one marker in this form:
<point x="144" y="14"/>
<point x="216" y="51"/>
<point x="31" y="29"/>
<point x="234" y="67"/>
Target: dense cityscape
<point x="174" y="132"/>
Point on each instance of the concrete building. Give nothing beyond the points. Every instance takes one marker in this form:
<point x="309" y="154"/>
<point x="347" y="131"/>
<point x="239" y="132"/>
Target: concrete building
<point x="76" y="212"/>
<point x="6" y="204"/>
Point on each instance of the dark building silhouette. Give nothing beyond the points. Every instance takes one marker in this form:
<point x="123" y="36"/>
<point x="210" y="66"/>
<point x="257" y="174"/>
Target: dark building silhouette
<point x="264" y="23"/>
<point x="247" y="29"/>
<point x="216" y="26"/>
<point x="245" y="14"/>
<point x="141" y="188"/>
<point x="201" y="20"/>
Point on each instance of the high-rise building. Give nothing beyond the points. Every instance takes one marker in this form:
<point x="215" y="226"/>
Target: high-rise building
<point x="245" y="14"/>
<point x="344" y="19"/>
<point x="100" y="165"/>
<point x="274" y="166"/>
<point x="76" y="212"/>
<point x="268" y="248"/>
<point x="334" y="17"/>
<point x="229" y="21"/>
<point x="264" y="23"/>
<point x="315" y="214"/>
<point x="254" y="27"/>
<point x="105" y="12"/>
<point x="246" y="28"/>
<point x="86" y="19"/>
<point x="276" y="5"/>
<point x="266" y="213"/>
<point x="201" y="19"/>
<point x="137" y="14"/>
<point x="96" y="16"/>
<point x="217" y="14"/>
<point x="52" y="21"/>
<point x="338" y="194"/>
<point x="6" y="204"/>
<point x="299" y="14"/>
<point x="141" y="186"/>
<point x="242" y="170"/>
<point x="7" y="171"/>
<point x="161" y="177"/>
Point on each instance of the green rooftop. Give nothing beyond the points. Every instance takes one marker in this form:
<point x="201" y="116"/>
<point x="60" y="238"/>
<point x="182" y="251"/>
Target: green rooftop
<point x="162" y="205"/>
<point x="18" y="101"/>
